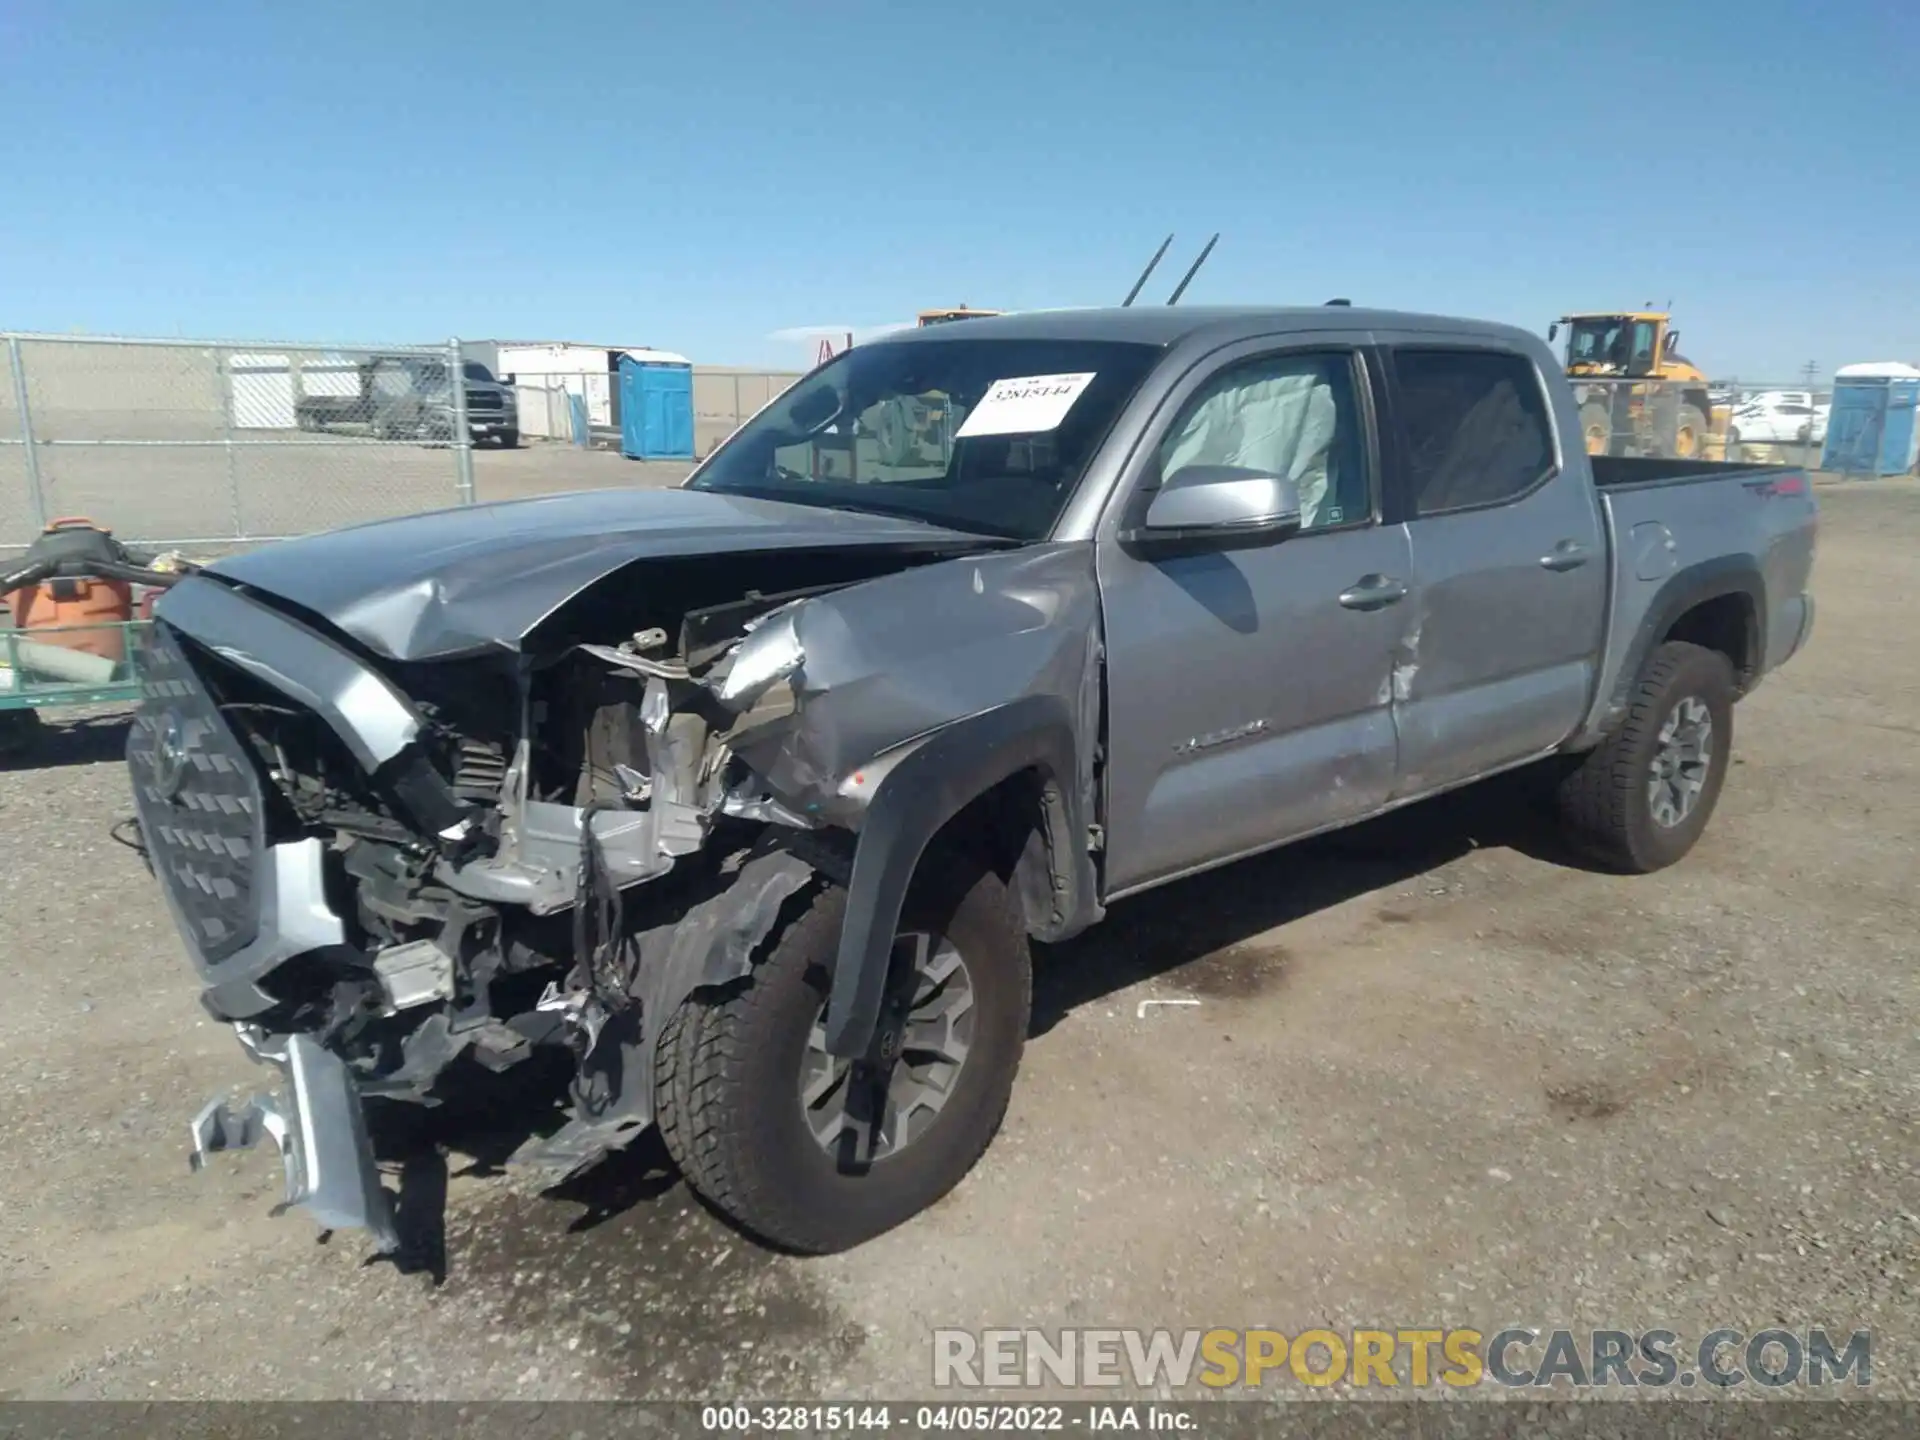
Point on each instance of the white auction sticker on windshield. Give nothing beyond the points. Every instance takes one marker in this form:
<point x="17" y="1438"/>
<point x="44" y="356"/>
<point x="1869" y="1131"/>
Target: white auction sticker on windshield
<point x="1025" y="405"/>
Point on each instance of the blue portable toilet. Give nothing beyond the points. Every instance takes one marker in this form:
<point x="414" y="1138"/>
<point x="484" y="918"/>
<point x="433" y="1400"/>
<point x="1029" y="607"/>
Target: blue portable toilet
<point x="656" y="405"/>
<point x="1872" y="429"/>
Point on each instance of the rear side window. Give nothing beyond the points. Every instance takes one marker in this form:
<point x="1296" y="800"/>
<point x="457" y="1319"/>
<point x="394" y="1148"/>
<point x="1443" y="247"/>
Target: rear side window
<point x="1475" y="425"/>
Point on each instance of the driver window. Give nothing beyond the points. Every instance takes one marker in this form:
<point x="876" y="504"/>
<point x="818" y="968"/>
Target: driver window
<point x="1289" y="415"/>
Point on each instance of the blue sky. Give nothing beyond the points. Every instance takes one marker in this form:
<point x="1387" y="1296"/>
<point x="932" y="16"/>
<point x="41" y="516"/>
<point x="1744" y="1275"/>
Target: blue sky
<point x="700" y="176"/>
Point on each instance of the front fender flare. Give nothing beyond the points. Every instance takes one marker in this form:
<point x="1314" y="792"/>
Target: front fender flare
<point x="921" y="792"/>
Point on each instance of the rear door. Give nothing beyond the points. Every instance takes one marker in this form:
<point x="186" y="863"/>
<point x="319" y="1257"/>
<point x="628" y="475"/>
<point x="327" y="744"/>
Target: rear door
<point x="1248" y="688"/>
<point x="1509" y="563"/>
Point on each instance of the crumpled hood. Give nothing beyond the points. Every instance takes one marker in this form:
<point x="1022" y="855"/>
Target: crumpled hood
<point x="483" y="576"/>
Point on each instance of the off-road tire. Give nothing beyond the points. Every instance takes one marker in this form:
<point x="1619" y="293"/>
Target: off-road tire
<point x="728" y="1061"/>
<point x="1603" y="801"/>
<point x="1693" y="418"/>
<point x="509" y="440"/>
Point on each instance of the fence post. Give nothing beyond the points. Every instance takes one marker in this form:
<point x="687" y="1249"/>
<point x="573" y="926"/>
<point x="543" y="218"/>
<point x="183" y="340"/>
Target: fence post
<point x="36" y="498"/>
<point x="462" y="435"/>
<point x="223" y="377"/>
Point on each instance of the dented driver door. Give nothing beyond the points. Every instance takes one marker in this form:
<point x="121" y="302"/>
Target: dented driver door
<point x="1250" y="689"/>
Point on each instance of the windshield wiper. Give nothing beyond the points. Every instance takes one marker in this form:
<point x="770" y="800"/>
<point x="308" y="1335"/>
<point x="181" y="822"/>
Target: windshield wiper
<point x="848" y="507"/>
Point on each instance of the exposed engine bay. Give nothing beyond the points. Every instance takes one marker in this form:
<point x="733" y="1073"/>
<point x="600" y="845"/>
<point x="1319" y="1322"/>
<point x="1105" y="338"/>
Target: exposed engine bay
<point x="571" y="776"/>
<point x="545" y="794"/>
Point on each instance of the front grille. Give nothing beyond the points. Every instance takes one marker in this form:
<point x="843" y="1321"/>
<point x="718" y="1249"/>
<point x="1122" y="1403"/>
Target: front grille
<point x="481" y="402"/>
<point x="199" y="799"/>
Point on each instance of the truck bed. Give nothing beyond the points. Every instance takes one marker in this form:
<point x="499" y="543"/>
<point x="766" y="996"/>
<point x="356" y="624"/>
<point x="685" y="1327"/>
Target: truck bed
<point x="1682" y="529"/>
<point x="1618" y="472"/>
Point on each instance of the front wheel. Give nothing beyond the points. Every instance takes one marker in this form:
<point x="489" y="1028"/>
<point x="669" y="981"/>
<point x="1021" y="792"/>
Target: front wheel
<point x="816" y="1153"/>
<point x="1640" y="801"/>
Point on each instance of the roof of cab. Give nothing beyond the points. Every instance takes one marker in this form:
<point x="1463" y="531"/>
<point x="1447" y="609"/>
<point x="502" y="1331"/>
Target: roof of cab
<point x="1168" y="325"/>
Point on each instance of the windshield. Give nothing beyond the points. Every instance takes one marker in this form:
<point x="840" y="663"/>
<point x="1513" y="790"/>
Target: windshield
<point x="988" y="436"/>
<point x="474" y="370"/>
<point x="1607" y="341"/>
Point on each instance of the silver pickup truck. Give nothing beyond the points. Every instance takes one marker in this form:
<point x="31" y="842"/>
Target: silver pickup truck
<point x="751" y="794"/>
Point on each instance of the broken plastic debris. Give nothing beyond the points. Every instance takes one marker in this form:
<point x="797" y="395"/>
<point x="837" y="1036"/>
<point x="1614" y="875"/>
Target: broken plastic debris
<point x="1141" y="1013"/>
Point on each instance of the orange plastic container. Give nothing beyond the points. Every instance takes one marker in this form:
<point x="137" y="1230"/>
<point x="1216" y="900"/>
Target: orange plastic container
<point x="58" y="605"/>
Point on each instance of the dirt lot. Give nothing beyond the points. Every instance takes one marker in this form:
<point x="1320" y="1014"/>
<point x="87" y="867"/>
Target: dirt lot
<point x="1436" y="1077"/>
<point x="539" y="469"/>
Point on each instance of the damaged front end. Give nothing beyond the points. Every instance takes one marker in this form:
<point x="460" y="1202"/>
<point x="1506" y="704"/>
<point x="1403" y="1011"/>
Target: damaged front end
<point x="386" y="867"/>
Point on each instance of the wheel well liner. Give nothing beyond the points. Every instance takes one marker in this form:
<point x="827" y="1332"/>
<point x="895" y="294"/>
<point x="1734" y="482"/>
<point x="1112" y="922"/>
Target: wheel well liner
<point x="1726" y="623"/>
<point x="1024" y="741"/>
<point x="1717" y="604"/>
<point x="1021" y="828"/>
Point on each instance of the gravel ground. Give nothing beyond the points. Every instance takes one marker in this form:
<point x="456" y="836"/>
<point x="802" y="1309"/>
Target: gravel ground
<point x="1436" y="1077"/>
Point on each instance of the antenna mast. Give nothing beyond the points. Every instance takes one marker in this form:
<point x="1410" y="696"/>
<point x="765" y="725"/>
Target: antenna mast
<point x="1186" y="279"/>
<point x="1146" y="272"/>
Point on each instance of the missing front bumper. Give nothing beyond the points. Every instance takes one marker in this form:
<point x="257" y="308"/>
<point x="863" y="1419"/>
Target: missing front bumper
<point x="318" y="1127"/>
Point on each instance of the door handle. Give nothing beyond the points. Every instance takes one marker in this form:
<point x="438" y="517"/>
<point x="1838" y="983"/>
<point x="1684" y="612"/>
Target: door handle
<point x="1372" y="592"/>
<point x="1567" y="555"/>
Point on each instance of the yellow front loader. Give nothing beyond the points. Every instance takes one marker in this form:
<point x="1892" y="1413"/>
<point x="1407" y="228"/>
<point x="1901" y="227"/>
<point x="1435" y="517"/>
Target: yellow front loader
<point x="1646" y="397"/>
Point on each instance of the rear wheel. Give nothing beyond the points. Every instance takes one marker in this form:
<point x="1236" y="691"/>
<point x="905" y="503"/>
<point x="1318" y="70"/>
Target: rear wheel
<point x="1640" y="801"/>
<point x="816" y="1153"/>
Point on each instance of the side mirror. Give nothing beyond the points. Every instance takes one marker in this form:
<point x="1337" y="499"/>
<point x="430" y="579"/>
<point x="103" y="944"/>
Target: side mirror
<point x="1553" y="332"/>
<point x="1219" y="507"/>
<point x="1673" y="343"/>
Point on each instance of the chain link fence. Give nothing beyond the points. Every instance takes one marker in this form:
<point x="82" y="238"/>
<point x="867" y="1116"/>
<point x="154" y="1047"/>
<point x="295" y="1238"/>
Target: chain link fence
<point x="206" y="443"/>
<point x="583" y="407"/>
<point x="569" y="407"/>
<point x="202" y="443"/>
<point x="725" y="398"/>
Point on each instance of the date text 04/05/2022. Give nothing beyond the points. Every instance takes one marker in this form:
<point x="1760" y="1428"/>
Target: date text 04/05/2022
<point x="814" y="1419"/>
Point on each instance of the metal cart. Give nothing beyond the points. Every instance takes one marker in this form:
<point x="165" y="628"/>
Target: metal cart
<point x="36" y="675"/>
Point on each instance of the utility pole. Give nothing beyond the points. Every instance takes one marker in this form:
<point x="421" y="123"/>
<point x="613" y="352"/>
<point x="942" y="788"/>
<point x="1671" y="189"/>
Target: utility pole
<point x="1807" y="373"/>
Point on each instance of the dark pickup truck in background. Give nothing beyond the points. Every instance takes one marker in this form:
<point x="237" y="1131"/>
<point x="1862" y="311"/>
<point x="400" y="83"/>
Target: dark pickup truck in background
<point x="407" y="397"/>
<point x="751" y="794"/>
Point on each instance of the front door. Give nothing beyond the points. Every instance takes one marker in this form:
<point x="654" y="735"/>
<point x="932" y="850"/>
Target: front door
<point x="1510" y="560"/>
<point x="1249" y="689"/>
